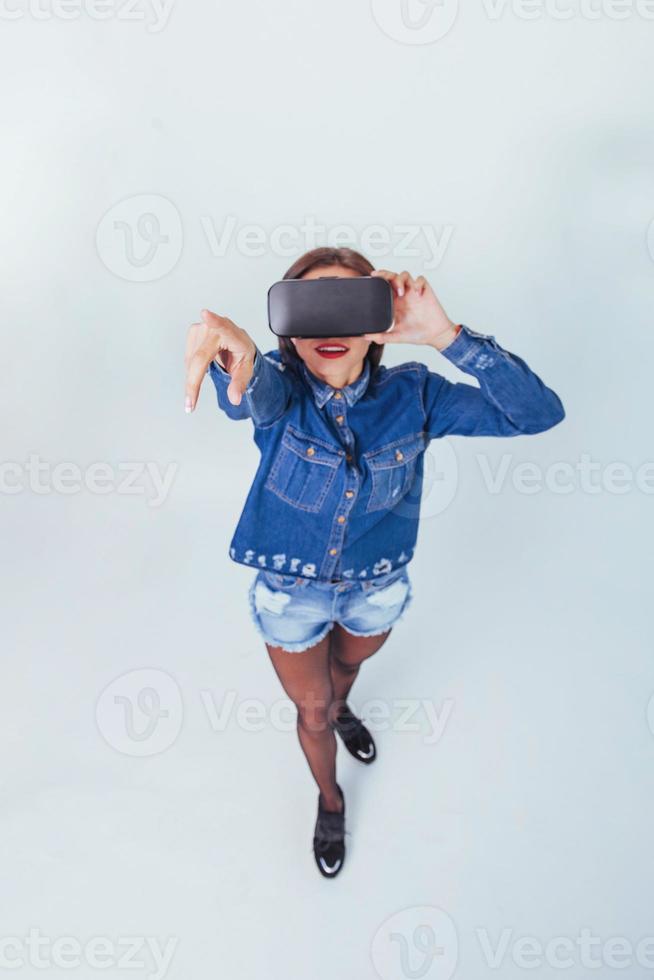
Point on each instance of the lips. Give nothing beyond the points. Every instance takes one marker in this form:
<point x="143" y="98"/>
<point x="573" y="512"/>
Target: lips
<point x="331" y="350"/>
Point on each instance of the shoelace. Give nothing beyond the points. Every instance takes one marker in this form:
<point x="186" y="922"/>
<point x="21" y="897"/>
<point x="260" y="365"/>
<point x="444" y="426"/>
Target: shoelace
<point x="330" y="827"/>
<point x="322" y="845"/>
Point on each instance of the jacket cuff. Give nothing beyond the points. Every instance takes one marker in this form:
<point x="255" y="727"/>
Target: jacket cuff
<point x="472" y="349"/>
<point x="256" y="372"/>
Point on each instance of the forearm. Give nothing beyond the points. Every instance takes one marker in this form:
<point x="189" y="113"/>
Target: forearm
<point x="506" y="381"/>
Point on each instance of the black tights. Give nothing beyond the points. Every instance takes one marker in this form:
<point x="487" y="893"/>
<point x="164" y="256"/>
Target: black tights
<point x="318" y="681"/>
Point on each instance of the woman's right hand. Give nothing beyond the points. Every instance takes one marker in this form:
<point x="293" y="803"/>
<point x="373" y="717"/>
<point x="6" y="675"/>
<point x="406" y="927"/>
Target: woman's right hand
<point x="216" y="337"/>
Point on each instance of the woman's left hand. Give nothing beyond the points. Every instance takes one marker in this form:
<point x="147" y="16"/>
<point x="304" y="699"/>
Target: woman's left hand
<point x="419" y="317"/>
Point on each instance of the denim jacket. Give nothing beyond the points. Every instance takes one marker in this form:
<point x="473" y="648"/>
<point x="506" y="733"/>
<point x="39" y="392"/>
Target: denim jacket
<point x="337" y="467"/>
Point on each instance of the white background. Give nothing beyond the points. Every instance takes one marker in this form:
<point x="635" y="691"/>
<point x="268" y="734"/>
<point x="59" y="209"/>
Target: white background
<point x="531" y="141"/>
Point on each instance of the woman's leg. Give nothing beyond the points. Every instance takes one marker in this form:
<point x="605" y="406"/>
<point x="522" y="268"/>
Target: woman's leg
<point x="306" y="679"/>
<point x="347" y="653"/>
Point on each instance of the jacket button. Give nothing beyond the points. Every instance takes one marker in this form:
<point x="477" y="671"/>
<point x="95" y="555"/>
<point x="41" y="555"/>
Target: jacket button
<point x="338" y="395"/>
<point x="340" y="418"/>
<point x="311" y="451"/>
<point x="399" y="455"/>
<point x="348" y="457"/>
<point x="333" y="551"/>
<point x="341" y="520"/>
<point x="349" y="493"/>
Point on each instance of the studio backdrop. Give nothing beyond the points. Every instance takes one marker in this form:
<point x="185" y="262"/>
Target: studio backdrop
<point x="161" y="158"/>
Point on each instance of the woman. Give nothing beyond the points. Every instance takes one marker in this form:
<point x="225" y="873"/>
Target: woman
<point x="327" y="522"/>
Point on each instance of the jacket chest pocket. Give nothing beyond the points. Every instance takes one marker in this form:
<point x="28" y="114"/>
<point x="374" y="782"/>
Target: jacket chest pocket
<point x="393" y="469"/>
<point x="303" y="470"/>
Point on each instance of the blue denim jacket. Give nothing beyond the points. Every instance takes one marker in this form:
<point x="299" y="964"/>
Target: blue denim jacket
<point x="328" y="498"/>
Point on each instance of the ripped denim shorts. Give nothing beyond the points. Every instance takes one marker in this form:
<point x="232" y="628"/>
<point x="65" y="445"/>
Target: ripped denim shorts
<point x="296" y="613"/>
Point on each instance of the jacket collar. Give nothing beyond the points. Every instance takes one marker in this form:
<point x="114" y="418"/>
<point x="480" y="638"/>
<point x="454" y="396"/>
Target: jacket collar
<point x="322" y="392"/>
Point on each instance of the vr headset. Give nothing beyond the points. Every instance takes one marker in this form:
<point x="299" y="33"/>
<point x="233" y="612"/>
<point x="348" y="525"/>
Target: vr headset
<point x="330" y="307"/>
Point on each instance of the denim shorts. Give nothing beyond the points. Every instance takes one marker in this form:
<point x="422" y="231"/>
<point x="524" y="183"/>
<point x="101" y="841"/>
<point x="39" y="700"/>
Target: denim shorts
<point x="295" y="612"/>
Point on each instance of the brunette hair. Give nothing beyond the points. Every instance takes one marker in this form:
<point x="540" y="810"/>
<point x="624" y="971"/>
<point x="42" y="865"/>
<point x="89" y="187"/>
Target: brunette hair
<point x="319" y="258"/>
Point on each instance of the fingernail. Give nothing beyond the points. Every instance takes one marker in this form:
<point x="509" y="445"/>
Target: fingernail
<point x="400" y="291"/>
<point x="188" y="407"/>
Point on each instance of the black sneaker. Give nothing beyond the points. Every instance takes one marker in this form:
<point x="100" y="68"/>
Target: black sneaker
<point x="356" y="737"/>
<point x="329" y="840"/>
